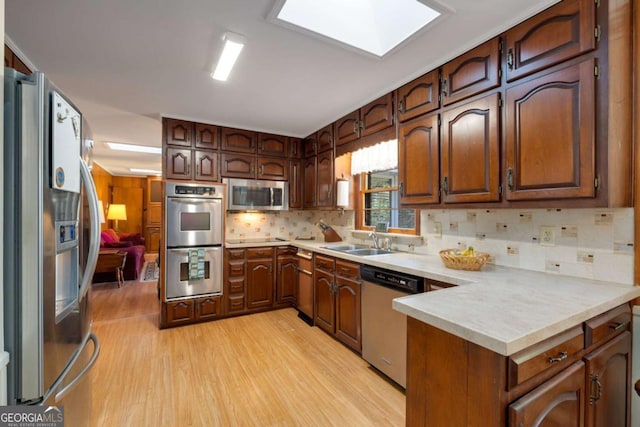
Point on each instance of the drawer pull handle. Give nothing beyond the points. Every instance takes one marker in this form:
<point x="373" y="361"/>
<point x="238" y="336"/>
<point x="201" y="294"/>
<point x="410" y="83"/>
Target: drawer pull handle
<point x="617" y="326"/>
<point x="561" y="356"/>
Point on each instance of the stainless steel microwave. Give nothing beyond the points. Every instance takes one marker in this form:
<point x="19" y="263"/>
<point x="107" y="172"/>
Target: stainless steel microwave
<point x="257" y="195"/>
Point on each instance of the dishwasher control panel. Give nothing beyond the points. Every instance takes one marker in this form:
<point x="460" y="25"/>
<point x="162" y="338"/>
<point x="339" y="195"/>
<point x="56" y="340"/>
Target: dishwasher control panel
<point x="403" y="282"/>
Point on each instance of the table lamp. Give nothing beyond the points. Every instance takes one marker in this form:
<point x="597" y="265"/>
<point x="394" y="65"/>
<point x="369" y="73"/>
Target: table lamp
<point x="117" y="212"/>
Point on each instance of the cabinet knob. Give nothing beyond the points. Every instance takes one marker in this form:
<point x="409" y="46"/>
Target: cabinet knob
<point x="445" y="87"/>
<point x="596" y="390"/>
<point x="510" y="58"/>
<point x="445" y="185"/>
<point x="401" y="106"/>
<point x="510" y="178"/>
<point x="401" y="189"/>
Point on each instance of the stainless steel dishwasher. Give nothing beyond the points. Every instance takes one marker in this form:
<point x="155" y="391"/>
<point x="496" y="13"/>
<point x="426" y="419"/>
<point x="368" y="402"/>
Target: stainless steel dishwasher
<point x="384" y="330"/>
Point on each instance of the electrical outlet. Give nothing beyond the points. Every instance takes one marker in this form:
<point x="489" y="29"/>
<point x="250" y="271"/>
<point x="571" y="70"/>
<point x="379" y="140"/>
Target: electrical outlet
<point x="437" y="229"/>
<point x="547" y="236"/>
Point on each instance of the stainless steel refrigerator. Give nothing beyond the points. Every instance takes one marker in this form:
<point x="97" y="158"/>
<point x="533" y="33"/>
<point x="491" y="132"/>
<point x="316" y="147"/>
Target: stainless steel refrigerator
<point x="47" y="313"/>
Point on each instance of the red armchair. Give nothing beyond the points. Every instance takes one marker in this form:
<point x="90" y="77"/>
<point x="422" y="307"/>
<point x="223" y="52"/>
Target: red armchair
<point x="132" y="244"/>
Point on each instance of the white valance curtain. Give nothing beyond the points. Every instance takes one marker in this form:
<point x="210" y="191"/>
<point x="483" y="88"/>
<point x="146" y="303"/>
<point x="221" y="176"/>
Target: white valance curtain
<point x="379" y="157"/>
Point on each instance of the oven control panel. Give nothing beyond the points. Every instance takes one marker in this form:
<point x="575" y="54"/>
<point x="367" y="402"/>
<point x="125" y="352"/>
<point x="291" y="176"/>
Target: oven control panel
<point x="194" y="190"/>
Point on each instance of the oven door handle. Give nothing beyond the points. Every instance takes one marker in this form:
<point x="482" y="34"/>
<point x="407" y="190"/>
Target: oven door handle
<point x="186" y="201"/>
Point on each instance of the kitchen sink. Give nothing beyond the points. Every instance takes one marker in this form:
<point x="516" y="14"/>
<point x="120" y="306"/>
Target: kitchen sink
<point x="345" y="248"/>
<point x="368" y="251"/>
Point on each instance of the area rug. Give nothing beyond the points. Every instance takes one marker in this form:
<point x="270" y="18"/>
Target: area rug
<point x="150" y="272"/>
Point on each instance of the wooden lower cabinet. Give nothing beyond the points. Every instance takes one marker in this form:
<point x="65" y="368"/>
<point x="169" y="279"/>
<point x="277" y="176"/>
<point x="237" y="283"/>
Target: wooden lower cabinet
<point x="179" y="312"/>
<point x="259" y="283"/>
<point x="208" y="308"/>
<point x="152" y="239"/>
<point x="589" y="386"/>
<point x="193" y="310"/>
<point x="337" y="300"/>
<point x="286" y="276"/>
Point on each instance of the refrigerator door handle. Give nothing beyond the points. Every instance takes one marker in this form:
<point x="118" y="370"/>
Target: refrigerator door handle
<point x="94" y="236"/>
<point x="96" y="351"/>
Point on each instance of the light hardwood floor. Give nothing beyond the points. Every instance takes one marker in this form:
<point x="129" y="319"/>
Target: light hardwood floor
<point x="268" y="369"/>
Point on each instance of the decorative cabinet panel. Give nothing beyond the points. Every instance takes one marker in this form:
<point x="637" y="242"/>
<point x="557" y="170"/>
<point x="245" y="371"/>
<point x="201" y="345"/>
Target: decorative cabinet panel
<point x="325" y="184"/>
<point x="325" y="138"/>
<point x="287" y="276"/>
<point x="206" y="165"/>
<point x="178" y="132"/>
<point x="419" y="96"/>
<point x="276" y="169"/>
<point x="178" y="312"/>
<point x="295" y="184"/>
<point x="471" y="73"/>
<point x="237" y="165"/>
<point x="296" y="149"/>
<point x="260" y="277"/>
<point x="419" y="161"/>
<point x="550" y="140"/>
<point x="371" y="118"/>
<point x="238" y="140"/>
<point x="310" y="179"/>
<point x="206" y="136"/>
<point x="208" y="308"/>
<point x="562" y="32"/>
<point x="234" y="280"/>
<point x="273" y="145"/>
<point x="348" y="325"/>
<point x="471" y="152"/>
<point x="325" y="303"/>
<point x="310" y="146"/>
<point x="178" y="163"/>
<point x="347" y="129"/>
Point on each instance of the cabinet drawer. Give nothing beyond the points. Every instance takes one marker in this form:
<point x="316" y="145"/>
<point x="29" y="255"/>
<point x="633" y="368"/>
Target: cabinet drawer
<point x="236" y="285"/>
<point x="607" y="325"/>
<point x="236" y="303"/>
<point x="255" y="253"/>
<point x="325" y="263"/>
<point x="347" y="269"/>
<point x="436" y="286"/>
<point x="286" y="250"/>
<point x="557" y="350"/>
<point x="236" y="268"/>
<point x="234" y="254"/>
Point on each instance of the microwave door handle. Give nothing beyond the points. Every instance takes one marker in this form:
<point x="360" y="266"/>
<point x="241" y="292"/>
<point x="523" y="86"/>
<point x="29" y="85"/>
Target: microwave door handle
<point x="272" y="195"/>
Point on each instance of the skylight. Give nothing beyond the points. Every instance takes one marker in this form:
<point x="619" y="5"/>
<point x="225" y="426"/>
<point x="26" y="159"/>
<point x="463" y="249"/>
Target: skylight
<point x="375" y="26"/>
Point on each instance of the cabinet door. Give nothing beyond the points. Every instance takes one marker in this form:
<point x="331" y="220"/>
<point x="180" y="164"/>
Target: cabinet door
<point x="325" y="302"/>
<point x="206" y="136"/>
<point x="559" y="401"/>
<point x="287" y="280"/>
<point x="325" y="180"/>
<point x="564" y="31"/>
<point x="348" y="325"/>
<point x="310" y="177"/>
<point x="471" y="73"/>
<point x="179" y="312"/>
<point x="295" y="148"/>
<point x="152" y="239"/>
<point x="325" y="138"/>
<point x="206" y="165"/>
<point x="273" y="145"/>
<point x="419" y="160"/>
<point x="310" y="146"/>
<point x="178" y="163"/>
<point x="550" y="141"/>
<point x="237" y="166"/>
<point x="376" y="115"/>
<point x="273" y="168"/>
<point x="178" y="132"/>
<point x="295" y="184"/>
<point x="238" y="140"/>
<point x="608" y="385"/>
<point x="207" y="308"/>
<point x="471" y="152"/>
<point x="419" y="96"/>
<point x="259" y="283"/>
<point x="347" y="129"/>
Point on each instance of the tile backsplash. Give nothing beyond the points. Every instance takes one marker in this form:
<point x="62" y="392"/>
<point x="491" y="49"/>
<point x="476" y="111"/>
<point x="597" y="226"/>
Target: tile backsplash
<point x="590" y="243"/>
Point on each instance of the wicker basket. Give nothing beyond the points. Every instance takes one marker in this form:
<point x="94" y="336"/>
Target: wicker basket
<point x="451" y="259"/>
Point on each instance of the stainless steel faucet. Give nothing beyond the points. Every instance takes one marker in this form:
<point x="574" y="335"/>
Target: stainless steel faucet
<point x="374" y="237"/>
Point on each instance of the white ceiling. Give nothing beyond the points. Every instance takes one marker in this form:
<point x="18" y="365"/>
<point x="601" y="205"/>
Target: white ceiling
<point x="127" y="63"/>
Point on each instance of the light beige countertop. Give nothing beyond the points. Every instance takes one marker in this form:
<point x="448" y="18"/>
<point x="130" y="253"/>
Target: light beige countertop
<point x="502" y="309"/>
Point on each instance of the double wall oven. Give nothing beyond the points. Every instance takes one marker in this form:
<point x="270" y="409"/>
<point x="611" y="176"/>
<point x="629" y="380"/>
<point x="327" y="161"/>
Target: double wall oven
<point x="194" y="236"/>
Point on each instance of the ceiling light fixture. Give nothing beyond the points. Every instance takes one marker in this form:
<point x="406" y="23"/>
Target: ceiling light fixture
<point x="147" y="171"/>
<point x="368" y="25"/>
<point x="233" y="44"/>
<point x="135" y="148"/>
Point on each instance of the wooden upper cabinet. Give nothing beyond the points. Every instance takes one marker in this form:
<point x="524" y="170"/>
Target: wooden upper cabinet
<point x="310" y="146"/>
<point x="206" y="165"/>
<point x="273" y="145"/>
<point x="273" y="168"/>
<point x="325" y="138"/>
<point x="295" y="184"/>
<point x="178" y="132"/>
<point x="472" y="72"/>
<point x="419" y="96"/>
<point x="241" y="141"/>
<point x="418" y="161"/>
<point x="376" y="115"/>
<point x="296" y="150"/>
<point x="11" y="60"/>
<point x="550" y="141"/>
<point x="8" y="56"/>
<point x="234" y="165"/>
<point x="471" y="152"/>
<point x="309" y="169"/>
<point x="347" y="129"/>
<point x="563" y="31"/>
<point x="324" y="179"/>
<point x="178" y="163"/>
<point x="206" y="136"/>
